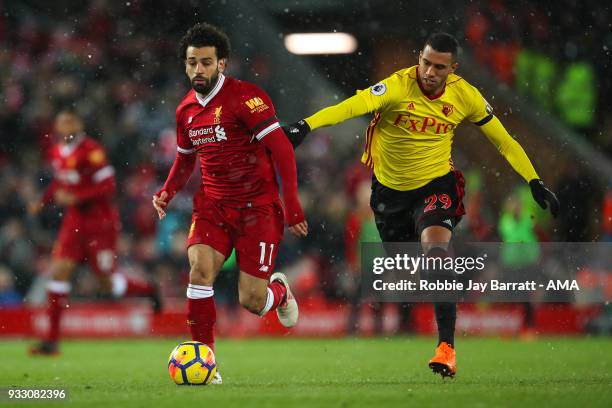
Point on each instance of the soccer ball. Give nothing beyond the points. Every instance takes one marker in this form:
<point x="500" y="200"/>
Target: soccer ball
<point x="192" y="363"/>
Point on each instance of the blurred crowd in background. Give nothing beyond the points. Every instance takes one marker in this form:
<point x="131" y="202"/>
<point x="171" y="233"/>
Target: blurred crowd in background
<point x="558" y="57"/>
<point x="116" y="63"/>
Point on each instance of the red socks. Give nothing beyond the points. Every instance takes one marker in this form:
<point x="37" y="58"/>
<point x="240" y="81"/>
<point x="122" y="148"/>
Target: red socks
<point x="57" y="295"/>
<point x="276" y="295"/>
<point x="123" y="286"/>
<point x="201" y="314"/>
<point x="279" y="291"/>
<point x="138" y="288"/>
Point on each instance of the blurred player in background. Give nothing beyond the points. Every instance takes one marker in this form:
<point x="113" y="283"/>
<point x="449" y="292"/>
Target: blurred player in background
<point x="416" y="191"/>
<point x="360" y="227"/>
<point x="84" y="185"/>
<point x="232" y="127"/>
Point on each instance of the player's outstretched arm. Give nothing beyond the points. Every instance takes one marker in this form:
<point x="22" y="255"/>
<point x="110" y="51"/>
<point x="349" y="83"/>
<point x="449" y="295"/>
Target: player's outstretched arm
<point x="516" y="156"/>
<point x="296" y="132"/>
<point x="284" y="162"/>
<point x="177" y="178"/>
<point x="360" y="104"/>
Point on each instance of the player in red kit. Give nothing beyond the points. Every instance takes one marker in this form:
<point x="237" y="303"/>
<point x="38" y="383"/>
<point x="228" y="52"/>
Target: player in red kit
<point x="231" y="126"/>
<point x="84" y="184"/>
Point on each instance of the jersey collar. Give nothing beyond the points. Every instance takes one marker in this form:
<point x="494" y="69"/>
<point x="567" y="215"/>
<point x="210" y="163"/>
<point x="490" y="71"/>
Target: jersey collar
<point x="431" y="98"/>
<point x="204" y="101"/>
<point x="66" y="149"/>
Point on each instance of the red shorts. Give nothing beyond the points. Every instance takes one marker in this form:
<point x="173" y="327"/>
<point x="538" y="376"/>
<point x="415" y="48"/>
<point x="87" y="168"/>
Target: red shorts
<point x="254" y="232"/>
<point x="91" y="240"/>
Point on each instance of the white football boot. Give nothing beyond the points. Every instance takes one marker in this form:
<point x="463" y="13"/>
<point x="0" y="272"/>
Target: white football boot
<point x="288" y="310"/>
<point x="217" y="378"/>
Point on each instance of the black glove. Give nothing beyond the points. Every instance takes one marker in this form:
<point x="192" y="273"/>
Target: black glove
<point x="296" y="132"/>
<point x="542" y="196"/>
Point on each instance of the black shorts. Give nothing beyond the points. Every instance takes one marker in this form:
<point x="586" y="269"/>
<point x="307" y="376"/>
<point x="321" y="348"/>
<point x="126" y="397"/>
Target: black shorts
<point x="401" y="216"/>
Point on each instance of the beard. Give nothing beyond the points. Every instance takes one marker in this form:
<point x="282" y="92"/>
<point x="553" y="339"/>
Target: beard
<point x="207" y="84"/>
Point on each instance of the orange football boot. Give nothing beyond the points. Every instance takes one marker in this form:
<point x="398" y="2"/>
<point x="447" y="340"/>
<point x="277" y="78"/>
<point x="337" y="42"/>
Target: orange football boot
<point x="444" y="362"/>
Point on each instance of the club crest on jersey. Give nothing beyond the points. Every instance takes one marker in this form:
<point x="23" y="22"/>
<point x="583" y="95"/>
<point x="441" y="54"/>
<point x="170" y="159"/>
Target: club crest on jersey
<point x="217" y="119"/>
<point x="256" y="104"/>
<point x="378" y="89"/>
<point x="71" y="162"/>
<point x="448" y="109"/>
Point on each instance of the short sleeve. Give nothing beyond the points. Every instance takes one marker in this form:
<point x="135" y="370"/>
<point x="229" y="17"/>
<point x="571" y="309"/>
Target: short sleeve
<point x="97" y="164"/>
<point x="257" y="111"/>
<point x="96" y="158"/>
<point x="481" y="112"/>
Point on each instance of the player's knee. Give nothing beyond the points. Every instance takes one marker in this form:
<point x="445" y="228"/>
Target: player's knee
<point x="106" y="285"/>
<point x="201" y="274"/>
<point x="252" y="302"/>
<point x="62" y="269"/>
<point x="435" y="236"/>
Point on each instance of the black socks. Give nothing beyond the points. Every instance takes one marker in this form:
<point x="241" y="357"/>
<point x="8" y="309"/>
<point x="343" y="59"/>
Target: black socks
<point x="446" y="312"/>
<point x="446" y="315"/>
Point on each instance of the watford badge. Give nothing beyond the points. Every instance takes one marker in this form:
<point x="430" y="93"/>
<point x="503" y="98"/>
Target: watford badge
<point x="448" y="110"/>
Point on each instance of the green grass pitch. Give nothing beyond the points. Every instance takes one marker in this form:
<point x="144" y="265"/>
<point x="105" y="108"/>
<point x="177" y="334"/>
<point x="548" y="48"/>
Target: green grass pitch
<point x="565" y="372"/>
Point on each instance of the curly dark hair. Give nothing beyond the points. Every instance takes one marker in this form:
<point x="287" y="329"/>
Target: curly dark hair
<point x="205" y="35"/>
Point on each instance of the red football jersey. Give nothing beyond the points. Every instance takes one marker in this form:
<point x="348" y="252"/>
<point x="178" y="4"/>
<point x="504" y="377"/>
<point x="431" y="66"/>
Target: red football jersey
<point x="225" y="129"/>
<point x="82" y="168"/>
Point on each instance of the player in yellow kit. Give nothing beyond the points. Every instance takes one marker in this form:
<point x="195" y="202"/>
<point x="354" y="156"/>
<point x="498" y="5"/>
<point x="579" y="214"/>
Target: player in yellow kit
<point x="416" y="191"/>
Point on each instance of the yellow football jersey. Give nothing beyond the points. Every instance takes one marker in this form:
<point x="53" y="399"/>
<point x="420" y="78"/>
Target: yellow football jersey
<point x="408" y="142"/>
